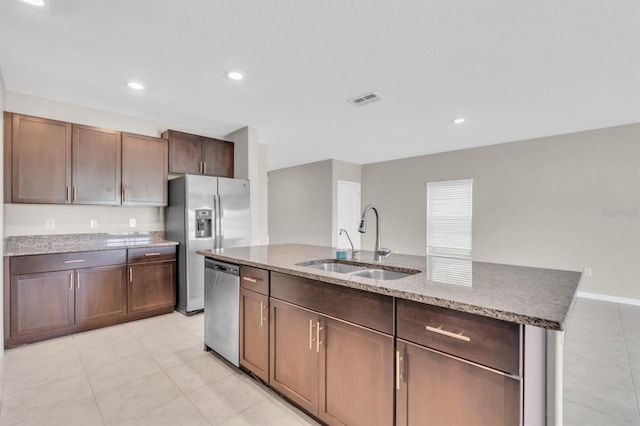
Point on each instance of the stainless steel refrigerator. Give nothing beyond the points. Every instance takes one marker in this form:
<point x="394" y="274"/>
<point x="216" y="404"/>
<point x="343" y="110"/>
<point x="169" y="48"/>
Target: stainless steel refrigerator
<point x="204" y="212"/>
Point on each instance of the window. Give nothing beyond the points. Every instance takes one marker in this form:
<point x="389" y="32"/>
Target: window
<point x="449" y="213"/>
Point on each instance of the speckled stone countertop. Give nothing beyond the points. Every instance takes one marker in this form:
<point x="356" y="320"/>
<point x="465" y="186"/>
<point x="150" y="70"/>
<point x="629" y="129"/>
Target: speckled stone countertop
<point x="525" y="295"/>
<point x="49" y="244"/>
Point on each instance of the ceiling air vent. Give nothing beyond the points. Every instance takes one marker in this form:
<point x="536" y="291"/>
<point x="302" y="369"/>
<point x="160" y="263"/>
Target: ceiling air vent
<point x="365" y="99"/>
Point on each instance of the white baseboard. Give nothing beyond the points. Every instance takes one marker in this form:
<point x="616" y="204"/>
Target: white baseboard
<point x="607" y="298"/>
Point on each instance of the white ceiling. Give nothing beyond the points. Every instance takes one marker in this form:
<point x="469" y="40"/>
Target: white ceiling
<point x="515" y="69"/>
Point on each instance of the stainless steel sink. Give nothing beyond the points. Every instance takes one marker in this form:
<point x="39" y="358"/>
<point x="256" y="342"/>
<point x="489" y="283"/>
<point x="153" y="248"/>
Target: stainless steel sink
<point x="362" y="270"/>
<point x="381" y="274"/>
<point x="342" y="268"/>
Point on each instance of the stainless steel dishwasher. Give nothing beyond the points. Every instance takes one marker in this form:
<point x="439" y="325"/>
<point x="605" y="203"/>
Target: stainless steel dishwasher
<point x="222" y="309"/>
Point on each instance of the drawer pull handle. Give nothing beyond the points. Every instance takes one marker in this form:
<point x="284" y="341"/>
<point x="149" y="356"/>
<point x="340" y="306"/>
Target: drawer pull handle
<point x="458" y="336"/>
<point x="152" y="254"/>
<point x="74" y="261"/>
<point x="251" y="280"/>
<point x="130" y="274"/>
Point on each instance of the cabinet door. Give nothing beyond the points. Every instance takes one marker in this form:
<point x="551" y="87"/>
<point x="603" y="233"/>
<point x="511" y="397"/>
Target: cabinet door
<point x="41" y="160"/>
<point x="294" y="354"/>
<point x="41" y="303"/>
<point x="356" y="375"/>
<point x="96" y="165"/>
<point x="437" y="389"/>
<point x="144" y="170"/>
<point x="254" y="333"/>
<point x="152" y="286"/>
<point x="217" y="156"/>
<point x="185" y="152"/>
<point x="101" y="295"/>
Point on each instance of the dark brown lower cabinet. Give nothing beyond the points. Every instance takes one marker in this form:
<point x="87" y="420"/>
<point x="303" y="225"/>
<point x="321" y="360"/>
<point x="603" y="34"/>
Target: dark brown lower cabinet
<point x="42" y="303"/>
<point x="293" y="354"/>
<point x="52" y="295"/>
<point x="101" y="295"/>
<point x="254" y="335"/>
<point x="356" y="381"/>
<point x="152" y="286"/>
<point x="437" y="389"/>
<point x="54" y="303"/>
<point x="335" y="370"/>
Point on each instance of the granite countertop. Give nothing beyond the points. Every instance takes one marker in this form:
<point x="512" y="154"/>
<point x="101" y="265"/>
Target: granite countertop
<point x="50" y="244"/>
<point x="525" y="295"/>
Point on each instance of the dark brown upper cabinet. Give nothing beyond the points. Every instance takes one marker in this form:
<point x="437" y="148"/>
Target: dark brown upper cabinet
<point x="53" y="162"/>
<point x="40" y="160"/>
<point x="199" y="155"/>
<point x="96" y="155"/>
<point x="144" y="170"/>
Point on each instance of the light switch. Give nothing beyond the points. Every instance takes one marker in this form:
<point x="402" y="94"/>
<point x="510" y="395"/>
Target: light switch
<point x="50" y="224"/>
<point x="132" y="223"/>
<point x="587" y="272"/>
<point x="93" y="223"/>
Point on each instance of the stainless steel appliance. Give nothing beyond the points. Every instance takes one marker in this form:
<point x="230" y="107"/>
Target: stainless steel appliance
<point x="222" y="309"/>
<point x="204" y="212"/>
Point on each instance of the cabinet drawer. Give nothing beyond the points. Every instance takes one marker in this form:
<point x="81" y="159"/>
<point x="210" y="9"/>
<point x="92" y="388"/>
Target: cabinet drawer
<point x="66" y="261"/>
<point x="254" y="279"/>
<point x="360" y="307"/>
<point x="151" y="254"/>
<point x="487" y="341"/>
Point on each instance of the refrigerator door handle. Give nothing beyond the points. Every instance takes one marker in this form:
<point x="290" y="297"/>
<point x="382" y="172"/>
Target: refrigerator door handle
<point x="215" y="222"/>
<point x="220" y="222"/>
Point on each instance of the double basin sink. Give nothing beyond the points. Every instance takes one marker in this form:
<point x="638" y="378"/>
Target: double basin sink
<point x="359" y="270"/>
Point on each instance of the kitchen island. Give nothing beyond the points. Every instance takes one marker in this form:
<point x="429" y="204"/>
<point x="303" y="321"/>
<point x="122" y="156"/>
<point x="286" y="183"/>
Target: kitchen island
<point x="488" y="334"/>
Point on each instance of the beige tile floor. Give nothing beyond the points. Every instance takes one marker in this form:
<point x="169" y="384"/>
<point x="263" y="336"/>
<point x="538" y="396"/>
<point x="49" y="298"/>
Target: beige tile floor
<point x="148" y="372"/>
<point x="154" y="372"/>
<point x="602" y="365"/>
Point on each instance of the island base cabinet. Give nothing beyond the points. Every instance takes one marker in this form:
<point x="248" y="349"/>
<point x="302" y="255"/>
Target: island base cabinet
<point x="294" y="354"/>
<point x="254" y="335"/>
<point x="42" y="303"/>
<point x="339" y="372"/>
<point x="437" y="389"/>
<point x="356" y="381"/>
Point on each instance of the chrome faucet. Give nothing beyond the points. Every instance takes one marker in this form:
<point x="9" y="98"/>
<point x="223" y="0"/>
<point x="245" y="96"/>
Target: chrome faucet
<point x="353" y="250"/>
<point x="379" y="252"/>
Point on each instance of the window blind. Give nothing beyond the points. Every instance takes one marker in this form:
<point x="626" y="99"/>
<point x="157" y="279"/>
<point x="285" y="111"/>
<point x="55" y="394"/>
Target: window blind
<point x="449" y="217"/>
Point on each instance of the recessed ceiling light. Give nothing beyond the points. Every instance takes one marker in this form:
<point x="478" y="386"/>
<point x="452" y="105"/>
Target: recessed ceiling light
<point x="135" y="85"/>
<point x="458" y="120"/>
<point x="38" y="3"/>
<point x="235" y="75"/>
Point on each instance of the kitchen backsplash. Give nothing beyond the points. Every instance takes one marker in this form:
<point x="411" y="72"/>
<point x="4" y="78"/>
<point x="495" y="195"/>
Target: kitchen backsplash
<point x="47" y="219"/>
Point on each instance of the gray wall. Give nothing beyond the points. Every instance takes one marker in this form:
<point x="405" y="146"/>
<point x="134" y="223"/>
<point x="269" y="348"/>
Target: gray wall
<point x="300" y="204"/>
<point x="568" y="202"/>
<point x="303" y="201"/>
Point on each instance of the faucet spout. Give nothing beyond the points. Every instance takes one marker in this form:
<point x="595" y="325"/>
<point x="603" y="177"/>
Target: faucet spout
<point x="379" y="252"/>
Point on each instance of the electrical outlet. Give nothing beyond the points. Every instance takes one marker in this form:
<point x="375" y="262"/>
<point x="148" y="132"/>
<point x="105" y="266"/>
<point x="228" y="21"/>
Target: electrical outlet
<point x="132" y="223"/>
<point x="587" y="272"/>
<point x="50" y="224"/>
<point x="93" y="223"/>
